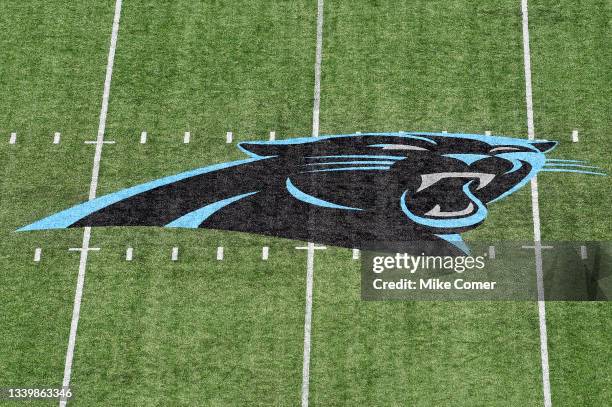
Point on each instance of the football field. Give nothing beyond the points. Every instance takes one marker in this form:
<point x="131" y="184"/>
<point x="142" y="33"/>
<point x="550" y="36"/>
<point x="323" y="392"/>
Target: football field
<point x="99" y="96"/>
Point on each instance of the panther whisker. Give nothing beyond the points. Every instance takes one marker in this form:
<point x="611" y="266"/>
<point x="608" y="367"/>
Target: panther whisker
<point x="569" y="165"/>
<point x="563" y="160"/>
<point x="351" y="169"/>
<point x="352" y="162"/>
<point x="383" y="157"/>
<point x="576" y="171"/>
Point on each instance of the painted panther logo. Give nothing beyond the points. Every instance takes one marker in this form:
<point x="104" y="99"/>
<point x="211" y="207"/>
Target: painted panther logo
<point x="343" y="190"/>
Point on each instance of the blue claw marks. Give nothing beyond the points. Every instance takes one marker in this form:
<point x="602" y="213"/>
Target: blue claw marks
<point x="194" y="219"/>
<point x="304" y="197"/>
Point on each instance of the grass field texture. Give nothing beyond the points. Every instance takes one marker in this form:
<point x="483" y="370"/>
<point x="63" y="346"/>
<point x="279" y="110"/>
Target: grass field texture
<point x="200" y="331"/>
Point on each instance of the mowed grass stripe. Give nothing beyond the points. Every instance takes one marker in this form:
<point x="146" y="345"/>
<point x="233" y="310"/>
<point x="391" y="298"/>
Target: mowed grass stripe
<point x="571" y="67"/>
<point x="197" y="330"/>
<point x="53" y="58"/>
<point x="571" y="91"/>
<point x="454" y="66"/>
<point x="418" y="353"/>
<point x="249" y="71"/>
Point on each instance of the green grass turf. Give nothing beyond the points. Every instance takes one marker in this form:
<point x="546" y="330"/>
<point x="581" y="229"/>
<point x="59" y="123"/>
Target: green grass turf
<point x="194" y="332"/>
<point x="394" y="66"/>
<point x="417" y="353"/>
<point x="199" y="331"/>
<point x="571" y="79"/>
<point x="431" y="66"/>
<point x="384" y="67"/>
<point x="53" y="56"/>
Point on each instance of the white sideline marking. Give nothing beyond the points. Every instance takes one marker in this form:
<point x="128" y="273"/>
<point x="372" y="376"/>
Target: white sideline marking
<point x="535" y="206"/>
<point x="228" y="137"/>
<point x="78" y="295"/>
<point x="583" y="252"/>
<point x="488" y="133"/>
<point x="174" y="255"/>
<point x="316" y="107"/>
<point x="575" y="136"/>
<point x="143" y="137"/>
<point x="187" y="137"/>
<point x="56" y="137"/>
<point x="129" y="254"/>
<point x="356" y="254"/>
<point x="492" y="252"/>
<point x="272" y="135"/>
<point x="265" y="252"/>
<point x="220" y="253"/>
<point x="37" y="254"/>
<point x="13" y="138"/>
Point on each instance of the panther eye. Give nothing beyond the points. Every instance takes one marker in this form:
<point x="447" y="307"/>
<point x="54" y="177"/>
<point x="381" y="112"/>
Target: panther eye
<point x="403" y="147"/>
<point x="498" y="149"/>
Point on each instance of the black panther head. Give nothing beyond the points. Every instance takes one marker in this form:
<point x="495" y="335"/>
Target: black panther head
<point x="345" y="190"/>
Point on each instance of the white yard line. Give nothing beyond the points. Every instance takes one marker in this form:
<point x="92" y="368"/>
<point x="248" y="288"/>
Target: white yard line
<point x="535" y="206"/>
<point x="319" y="57"/>
<point x="105" y="96"/>
<point x="311" y="247"/>
<point x="76" y="311"/>
<point x="307" y="323"/>
<point x="527" y="65"/>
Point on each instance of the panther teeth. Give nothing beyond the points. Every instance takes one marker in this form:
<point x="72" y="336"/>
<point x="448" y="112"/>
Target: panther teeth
<point x="428" y="180"/>
<point x="436" y="212"/>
